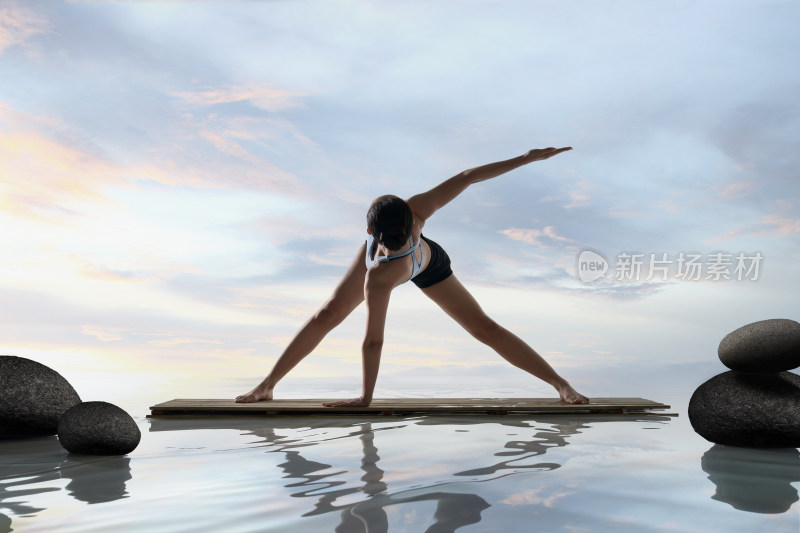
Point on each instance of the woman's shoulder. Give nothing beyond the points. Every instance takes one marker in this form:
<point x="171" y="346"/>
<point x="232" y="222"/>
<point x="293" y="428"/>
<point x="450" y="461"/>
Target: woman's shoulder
<point x="385" y="276"/>
<point x="419" y="220"/>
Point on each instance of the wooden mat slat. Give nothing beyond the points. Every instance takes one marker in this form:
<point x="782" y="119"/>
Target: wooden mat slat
<point x="404" y="406"/>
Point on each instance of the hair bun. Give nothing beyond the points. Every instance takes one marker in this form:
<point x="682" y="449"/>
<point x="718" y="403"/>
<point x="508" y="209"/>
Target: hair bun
<point x="392" y="241"/>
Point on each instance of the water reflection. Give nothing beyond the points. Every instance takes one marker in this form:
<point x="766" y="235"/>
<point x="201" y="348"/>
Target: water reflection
<point x="754" y="480"/>
<point x="97" y="480"/>
<point x="327" y="488"/>
<point x="26" y="462"/>
<point x="520" y="450"/>
<point x="453" y="509"/>
<point x="39" y="465"/>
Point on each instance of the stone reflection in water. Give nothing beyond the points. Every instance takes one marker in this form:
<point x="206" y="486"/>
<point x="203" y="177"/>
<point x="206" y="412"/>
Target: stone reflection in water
<point x="25" y="462"/>
<point x="35" y="462"/>
<point x="753" y="479"/>
<point x="96" y="480"/>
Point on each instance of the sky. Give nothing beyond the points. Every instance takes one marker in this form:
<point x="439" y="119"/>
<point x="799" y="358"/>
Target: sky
<point x="182" y="184"/>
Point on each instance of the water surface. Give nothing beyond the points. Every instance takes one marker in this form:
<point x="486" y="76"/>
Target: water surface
<point x="391" y="474"/>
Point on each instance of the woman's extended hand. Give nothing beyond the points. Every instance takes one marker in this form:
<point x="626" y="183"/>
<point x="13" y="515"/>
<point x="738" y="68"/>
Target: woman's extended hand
<point x="539" y="154"/>
<point x="355" y="402"/>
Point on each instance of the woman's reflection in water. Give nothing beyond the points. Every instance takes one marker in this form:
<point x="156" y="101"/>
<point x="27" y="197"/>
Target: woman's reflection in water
<point x="453" y="509"/>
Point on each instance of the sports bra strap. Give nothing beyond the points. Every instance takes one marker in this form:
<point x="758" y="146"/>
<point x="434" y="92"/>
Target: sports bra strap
<point x="416" y="266"/>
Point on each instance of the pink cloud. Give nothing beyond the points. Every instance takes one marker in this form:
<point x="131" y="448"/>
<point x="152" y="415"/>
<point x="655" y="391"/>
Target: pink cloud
<point x="785" y="226"/>
<point x="261" y="95"/>
<point x="737" y="189"/>
<point x="533" y="236"/>
<point x="580" y="196"/>
<point x="18" y="25"/>
<point x="724" y="237"/>
<point x="48" y="176"/>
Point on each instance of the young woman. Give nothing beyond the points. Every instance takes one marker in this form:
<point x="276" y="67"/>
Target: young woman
<point x="396" y="252"/>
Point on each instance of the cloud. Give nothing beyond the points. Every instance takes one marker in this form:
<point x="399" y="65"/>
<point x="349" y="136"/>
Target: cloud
<point x="769" y="224"/>
<point x="535" y="497"/>
<point x="261" y="95"/>
<point x="39" y="175"/>
<point x="99" y="272"/>
<point x="51" y="172"/>
<point x="54" y="171"/>
<point x="725" y="236"/>
<point x="260" y="129"/>
<point x="579" y="197"/>
<point x="103" y="334"/>
<point x="18" y="25"/>
<point x="178" y="341"/>
<point x="736" y="189"/>
<point x="250" y="152"/>
<point x="786" y="226"/>
<point x="534" y="236"/>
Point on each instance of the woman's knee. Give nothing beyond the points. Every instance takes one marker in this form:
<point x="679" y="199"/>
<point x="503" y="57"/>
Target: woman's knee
<point x="486" y="330"/>
<point x="332" y="313"/>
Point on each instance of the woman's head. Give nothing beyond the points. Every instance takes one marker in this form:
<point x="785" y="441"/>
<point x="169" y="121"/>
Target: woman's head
<point x="389" y="220"/>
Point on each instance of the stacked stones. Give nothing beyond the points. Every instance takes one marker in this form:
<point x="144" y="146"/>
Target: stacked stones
<point x="757" y="403"/>
<point x="35" y="400"/>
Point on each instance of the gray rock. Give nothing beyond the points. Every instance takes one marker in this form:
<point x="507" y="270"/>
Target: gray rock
<point x="762" y="347"/>
<point x="32" y="398"/>
<point x="751" y="410"/>
<point x="98" y="428"/>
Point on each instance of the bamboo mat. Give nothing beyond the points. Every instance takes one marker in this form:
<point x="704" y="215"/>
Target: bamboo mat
<point x="406" y="406"/>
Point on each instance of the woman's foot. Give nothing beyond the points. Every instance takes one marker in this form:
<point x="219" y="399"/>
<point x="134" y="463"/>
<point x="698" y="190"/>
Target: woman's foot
<point x="570" y="395"/>
<point x="262" y="392"/>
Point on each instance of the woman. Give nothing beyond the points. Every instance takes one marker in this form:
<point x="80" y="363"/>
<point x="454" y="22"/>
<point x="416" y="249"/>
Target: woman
<point x="396" y="252"/>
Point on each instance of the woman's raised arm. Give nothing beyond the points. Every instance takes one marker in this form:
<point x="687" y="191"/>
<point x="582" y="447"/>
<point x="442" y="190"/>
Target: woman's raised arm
<point x="425" y="204"/>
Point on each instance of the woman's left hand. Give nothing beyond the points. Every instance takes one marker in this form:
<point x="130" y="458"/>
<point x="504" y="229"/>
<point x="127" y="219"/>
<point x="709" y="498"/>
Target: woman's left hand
<point x="543" y="153"/>
<point x="355" y="402"/>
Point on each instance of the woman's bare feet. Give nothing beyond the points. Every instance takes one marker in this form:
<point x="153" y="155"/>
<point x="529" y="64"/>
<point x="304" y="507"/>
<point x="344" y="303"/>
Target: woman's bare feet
<point x="355" y="402"/>
<point x="262" y="392"/>
<point x="570" y="395"/>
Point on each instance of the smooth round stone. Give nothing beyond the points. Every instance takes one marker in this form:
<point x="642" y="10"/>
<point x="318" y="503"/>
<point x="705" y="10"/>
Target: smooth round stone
<point x="750" y="410"/>
<point x="32" y="398"/>
<point x="98" y="428"/>
<point x="762" y="347"/>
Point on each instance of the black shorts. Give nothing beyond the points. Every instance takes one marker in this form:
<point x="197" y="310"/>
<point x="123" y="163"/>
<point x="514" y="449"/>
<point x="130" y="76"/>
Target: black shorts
<point x="438" y="268"/>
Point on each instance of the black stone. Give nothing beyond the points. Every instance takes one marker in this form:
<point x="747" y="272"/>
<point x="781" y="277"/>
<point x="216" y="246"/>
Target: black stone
<point x="98" y="428"/>
<point x="750" y="410"/>
<point x="32" y="398"/>
<point x="766" y="346"/>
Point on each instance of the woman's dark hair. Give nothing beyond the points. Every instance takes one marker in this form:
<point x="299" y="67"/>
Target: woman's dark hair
<point x="389" y="219"/>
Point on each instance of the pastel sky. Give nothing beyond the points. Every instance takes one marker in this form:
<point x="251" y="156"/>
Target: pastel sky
<point x="183" y="183"/>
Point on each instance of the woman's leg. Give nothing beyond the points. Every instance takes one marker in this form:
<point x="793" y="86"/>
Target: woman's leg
<point x="346" y="297"/>
<point x="457" y="302"/>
